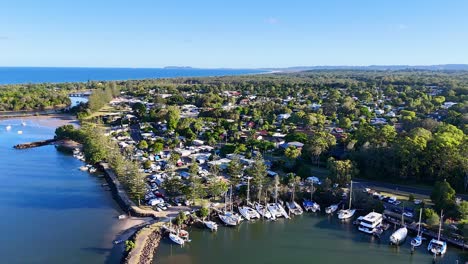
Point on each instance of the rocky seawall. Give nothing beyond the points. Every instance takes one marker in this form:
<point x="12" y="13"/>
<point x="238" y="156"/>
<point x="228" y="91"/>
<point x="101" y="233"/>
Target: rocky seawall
<point x="146" y="242"/>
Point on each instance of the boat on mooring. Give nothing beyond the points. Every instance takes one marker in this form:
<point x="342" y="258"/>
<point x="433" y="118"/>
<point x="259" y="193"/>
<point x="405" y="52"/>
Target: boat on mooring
<point x="370" y="223"/>
<point x="331" y="209"/>
<point x="400" y="235"/>
<point x="263" y="211"/>
<point x="417" y="241"/>
<point x="176" y="239"/>
<point x="294" y="208"/>
<point x="345" y="214"/>
<point x="229" y="218"/>
<point x="310" y="205"/>
<point x="246" y="211"/>
<point x="437" y="246"/>
<point x="211" y="225"/>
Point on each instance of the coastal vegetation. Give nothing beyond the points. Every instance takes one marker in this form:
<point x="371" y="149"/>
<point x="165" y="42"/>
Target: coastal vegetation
<point x="31" y="97"/>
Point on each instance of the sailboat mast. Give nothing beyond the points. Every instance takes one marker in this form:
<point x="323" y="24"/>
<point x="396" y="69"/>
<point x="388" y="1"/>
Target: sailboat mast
<point x="276" y="192"/>
<point x="350" y="194"/>
<point x="230" y="198"/>
<point x="225" y="201"/>
<point x="311" y="190"/>
<point x="440" y="224"/>
<point x="419" y="225"/>
<point x="248" y="189"/>
<point x="293" y="191"/>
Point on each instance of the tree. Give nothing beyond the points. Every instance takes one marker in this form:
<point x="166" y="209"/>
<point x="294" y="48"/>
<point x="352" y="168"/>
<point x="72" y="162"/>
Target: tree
<point x="204" y="212"/>
<point x="139" y="109"/>
<point x="174" y="158"/>
<point x="217" y="187"/>
<point x="193" y="168"/>
<point x="431" y="217"/>
<point x="443" y="196"/>
<point x="173" y="186"/>
<point x="143" y="144"/>
<point x="258" y="172"/>
<point x="158" y="147"/>
<point x="172" y="117"/>
<point x="341" y="171"/>
<point x="296" y="136"/>
<point x="194" y="189"/>
<point x="292" y="152"/>
<point x="235" y="169"/>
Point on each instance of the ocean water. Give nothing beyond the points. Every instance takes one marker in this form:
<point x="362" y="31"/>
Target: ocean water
<point x="51" y="211"/>
<point x="17" y="75"/>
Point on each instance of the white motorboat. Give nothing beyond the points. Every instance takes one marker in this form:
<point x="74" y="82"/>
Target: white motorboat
<point x="211" y="225"/>
<point x="83" y="168"/>
<point x="369" y="223"/>
<point x="176" y="239"/>
<point x="8" y="127"/>
<point x="20" y="132"/>
<point x="437" y="246"/>
<point x="92" y="169"/>
<point x="263" y="211"/>
<point x="331" y="209"/>
<point x="294" y="208"/>
<point x="23" y="123"/>
<point x="184" y="235"/>
<point x="417" y="241"/>
<point x="399" y="236"/>
<point x="347" y="213"/>
<point x="248" y="213"/>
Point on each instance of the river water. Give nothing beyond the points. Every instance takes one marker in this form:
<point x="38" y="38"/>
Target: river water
<point x="309" y="238"/>
<point x="51" y="211"/>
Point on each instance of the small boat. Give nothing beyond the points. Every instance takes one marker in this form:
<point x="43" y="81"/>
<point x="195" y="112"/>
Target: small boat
<point x="331" y="209"/>
<point x="346" y="214"/>
<point x="184" y="235"/>
<point x="294" y="208"/>
<point x="20" y="132"/>
<point x="370" y="223"/>
<point x="8" y="127"/>
<point x="437" y="246"/>
<point x="417" y="241"/>
<point x="122" y="216"/>
<point x="92" y="169"/>
<point x="310" y="205"/>
<point x="211" y="225"/>
<point x="176" y="239"/>
<point x="263" y="211"/>
<point x="84" y="168"/>
<point x="118" y="241"/>
<point x="23" y="123"/>
<point x="248" y="213"/>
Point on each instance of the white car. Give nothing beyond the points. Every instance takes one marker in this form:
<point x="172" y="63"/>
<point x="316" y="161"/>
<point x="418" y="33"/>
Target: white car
<point x="408" y="214"/>
<point x="155" y="201"/>
<point x="417" y="201"/>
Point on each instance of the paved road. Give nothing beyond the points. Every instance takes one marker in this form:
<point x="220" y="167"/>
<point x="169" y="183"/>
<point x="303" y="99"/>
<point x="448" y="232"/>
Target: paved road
<point x="362" y="183"/>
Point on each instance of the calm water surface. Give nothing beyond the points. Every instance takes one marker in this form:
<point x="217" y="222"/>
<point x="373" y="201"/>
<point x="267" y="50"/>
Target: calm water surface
<point x="14" y="75"/>
<point x="306" y="239"/>
<point x="51" y="211"/>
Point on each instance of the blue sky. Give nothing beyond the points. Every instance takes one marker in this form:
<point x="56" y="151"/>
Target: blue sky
<point x="239" y="34"/>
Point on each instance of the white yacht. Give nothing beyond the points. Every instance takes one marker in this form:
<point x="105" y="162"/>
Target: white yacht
<point x="331" y="209"/>
<point x="211" y="225"/>
<point x="176" y="239"/>
<point x="20" y="132"/>
<point x="248" y="213"/>
<point x="310" y="205"/>
<point x="437" y="246"/>
<point x="263" y="211"/>
<point x="399" y="236"/>
<point x="347" y="213"/>
<point x="8" y="127"/>
<point x="274" y="210"/>
<point x="229" y="219"/>
<point x="370" y="222"/>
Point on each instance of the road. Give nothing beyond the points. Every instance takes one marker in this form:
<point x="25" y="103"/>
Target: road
<point x="362" y="183"/>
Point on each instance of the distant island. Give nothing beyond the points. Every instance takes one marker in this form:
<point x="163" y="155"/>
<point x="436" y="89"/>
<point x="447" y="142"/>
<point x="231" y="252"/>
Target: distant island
<point x="440" y="67"/>
<point x="178" y="67"/>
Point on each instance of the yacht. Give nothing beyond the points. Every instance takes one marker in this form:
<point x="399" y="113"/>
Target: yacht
<point x="417" y="241"/>
<point x="83" y="168"/>
<point x="370" y="222"/>
<point x="331" y="209"/>
<point x="310" y="205"/>
<point x="211" y="225"/>
<point x="263" y="211"/>
<point x="347" y="213"/>
<point x="437" y="246"/>
<point x="20" y="132"/>
<point x="229" y="219"/>
<point x="248" y="213"/>
<point x="176" y="239"/>
<point x="274" y="210"/>
<point x="23" y="123"/>
<point x="8" y="127"/>
<point x="294" y="208"/>
<point x="399" y="236"/>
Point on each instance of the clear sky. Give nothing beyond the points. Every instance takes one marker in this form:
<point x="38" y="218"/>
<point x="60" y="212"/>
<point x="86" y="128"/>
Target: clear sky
<point x="240" y="33"/>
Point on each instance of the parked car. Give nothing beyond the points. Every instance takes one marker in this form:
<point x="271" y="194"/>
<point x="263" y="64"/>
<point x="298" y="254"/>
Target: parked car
<point x="155" y="201"/>
<point x="162" y="206"/>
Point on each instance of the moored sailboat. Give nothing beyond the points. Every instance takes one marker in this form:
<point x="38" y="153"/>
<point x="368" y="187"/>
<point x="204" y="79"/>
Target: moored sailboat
<point x="437" y="246"/>
<point x="400" y="235"/>
<point x="417" y="241"/>
<point x="347" y="213"/>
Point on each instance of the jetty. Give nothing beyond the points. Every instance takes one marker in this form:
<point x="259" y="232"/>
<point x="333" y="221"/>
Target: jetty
<point x="35" y="144"/>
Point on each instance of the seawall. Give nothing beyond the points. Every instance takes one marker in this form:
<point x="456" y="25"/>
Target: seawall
<point x="146" y="242"/>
